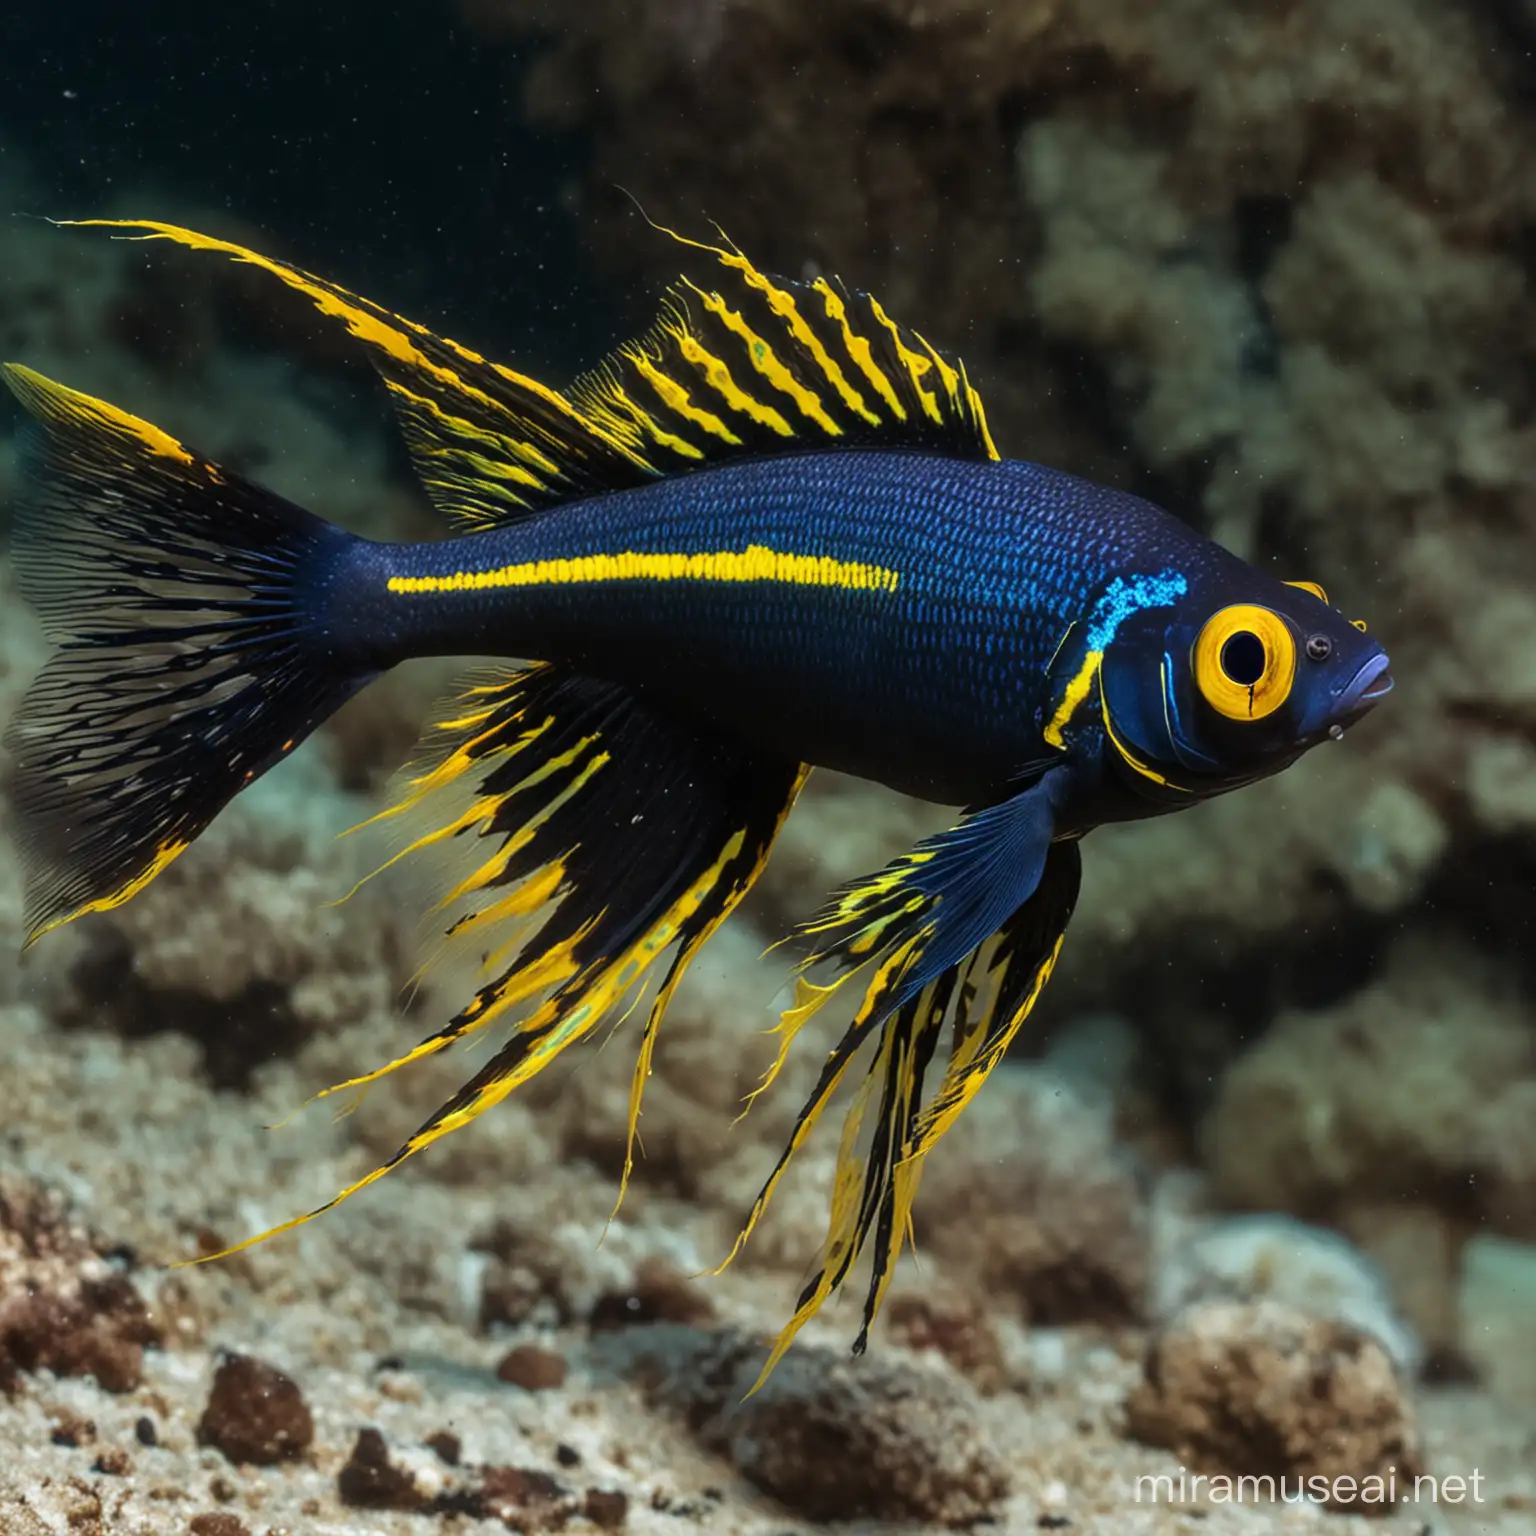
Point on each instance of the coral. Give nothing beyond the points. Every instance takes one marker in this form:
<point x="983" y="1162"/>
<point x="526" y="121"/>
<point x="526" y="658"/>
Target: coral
<point x="1262" y="1391"/>
<point x="1253" y="1258"/>
<point x="1421" y="1087"/>
<point x="64" y="1307"/>
<point x="829" y="1439"/>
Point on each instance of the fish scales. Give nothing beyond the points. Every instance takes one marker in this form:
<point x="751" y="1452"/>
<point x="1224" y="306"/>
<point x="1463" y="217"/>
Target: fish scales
<point x="935" y="687"/>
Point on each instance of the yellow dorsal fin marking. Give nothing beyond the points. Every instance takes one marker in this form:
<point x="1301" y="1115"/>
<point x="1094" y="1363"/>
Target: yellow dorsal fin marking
<point x="783" y="305"/>
<point x="672" y="394"/>
<point x="859" y="349"/>
<point x="914" y="362"/>
<point x="767" y="362"/>
<point x="648" y="424"/>
<point x="948" y="376"/>
<point x="391" y="334"/>
<point x="512" y="448"/>
<point x="979" y="412"/>
<point x="719" y="377"/>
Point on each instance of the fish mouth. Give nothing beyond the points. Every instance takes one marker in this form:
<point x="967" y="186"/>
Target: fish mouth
<point x="1369" y="686"/>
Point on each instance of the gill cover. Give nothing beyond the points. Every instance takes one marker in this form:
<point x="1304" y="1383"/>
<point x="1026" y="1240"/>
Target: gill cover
<point x="1210" y="693"/>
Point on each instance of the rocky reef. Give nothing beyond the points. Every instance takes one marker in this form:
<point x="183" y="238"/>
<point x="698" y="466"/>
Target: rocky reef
<point x="1259" y="1196"/>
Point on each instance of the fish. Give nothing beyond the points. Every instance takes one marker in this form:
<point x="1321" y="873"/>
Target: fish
<point x="771" y="533"/>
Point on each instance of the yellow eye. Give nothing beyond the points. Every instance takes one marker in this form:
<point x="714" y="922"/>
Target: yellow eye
<point x="1245" y="661"/>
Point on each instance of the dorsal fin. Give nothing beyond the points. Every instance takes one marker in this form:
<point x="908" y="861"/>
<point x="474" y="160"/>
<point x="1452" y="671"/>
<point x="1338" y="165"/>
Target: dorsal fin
<point x="762" y="365"/>
<point x="756" y="366"/>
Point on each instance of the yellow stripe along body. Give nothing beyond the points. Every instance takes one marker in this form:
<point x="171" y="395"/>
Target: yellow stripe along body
<point x="754" y="563"/>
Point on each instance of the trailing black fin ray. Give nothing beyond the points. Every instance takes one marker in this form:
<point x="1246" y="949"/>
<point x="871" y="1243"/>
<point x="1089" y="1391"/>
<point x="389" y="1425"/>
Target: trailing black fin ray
<point x="182" y="599"/>
<point x="592" y="836"/>
<point x="963" y="930"/>
<point x="759" y="365"/>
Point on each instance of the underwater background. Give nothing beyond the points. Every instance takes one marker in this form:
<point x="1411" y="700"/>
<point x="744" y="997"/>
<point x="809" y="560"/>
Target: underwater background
<point x="1258" y="1194"/>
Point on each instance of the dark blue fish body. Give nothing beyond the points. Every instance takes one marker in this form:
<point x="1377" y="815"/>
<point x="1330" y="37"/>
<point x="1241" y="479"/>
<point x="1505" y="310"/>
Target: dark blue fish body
<point x="771" y="533"/>
<point x="936" y="687"/>
<point x="938" y="682"/>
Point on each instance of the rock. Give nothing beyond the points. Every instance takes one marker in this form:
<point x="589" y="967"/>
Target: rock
<point x="659" y="1294"/>
<point x="954" y="1324"/>
<point x="607" y="1509"/>
<point x="255" y="1413"/>
<point x="521" y="1497"/>
<point x="1251" y="1258"/>
<point x="218" y="1523"/>
<point x="370" y="1480"/>
<point x="532" y="1368"/>
<point x="831" y="1438"/>
<point x="1261" y="1390"/>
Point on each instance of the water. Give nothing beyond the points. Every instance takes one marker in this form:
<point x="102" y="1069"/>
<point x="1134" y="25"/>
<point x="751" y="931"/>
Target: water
<point x="1271" y="271"/>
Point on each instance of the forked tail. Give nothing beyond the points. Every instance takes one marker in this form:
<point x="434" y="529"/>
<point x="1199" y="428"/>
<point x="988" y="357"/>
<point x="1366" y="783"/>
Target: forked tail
<point x="188" y="608"/>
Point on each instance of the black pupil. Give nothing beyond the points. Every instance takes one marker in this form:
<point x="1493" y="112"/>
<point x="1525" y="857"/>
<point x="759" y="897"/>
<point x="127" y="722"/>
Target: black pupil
<point x="1242" y="658"/>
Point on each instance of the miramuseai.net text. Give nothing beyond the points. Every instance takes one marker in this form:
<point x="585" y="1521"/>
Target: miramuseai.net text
<point x="1375" y="1490"/>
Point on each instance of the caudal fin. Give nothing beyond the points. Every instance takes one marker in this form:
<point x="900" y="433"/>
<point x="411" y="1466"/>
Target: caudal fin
<point x="187" y="608"/>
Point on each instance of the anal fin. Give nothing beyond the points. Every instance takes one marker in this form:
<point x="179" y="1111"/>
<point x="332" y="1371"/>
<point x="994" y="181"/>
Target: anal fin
<point x="592" y="836"/>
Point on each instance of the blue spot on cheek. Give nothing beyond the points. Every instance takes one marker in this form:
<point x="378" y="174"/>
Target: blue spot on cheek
<point x="1128" y="595"/>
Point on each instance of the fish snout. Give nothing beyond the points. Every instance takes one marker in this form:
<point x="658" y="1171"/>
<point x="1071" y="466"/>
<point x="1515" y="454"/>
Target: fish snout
<point x="1371" y="683"/>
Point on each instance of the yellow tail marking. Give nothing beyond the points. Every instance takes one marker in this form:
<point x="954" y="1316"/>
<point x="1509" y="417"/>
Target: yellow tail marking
<point x="755" y="563"/>
<point x="56" y="402"/>
<point x="162" y="857"/>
